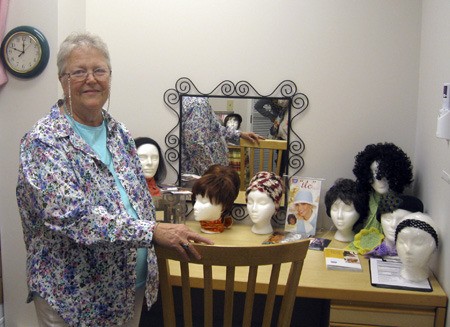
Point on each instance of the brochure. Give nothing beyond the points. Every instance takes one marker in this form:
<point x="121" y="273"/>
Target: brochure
<point x="283" y="237"/>
<point x="319" y="243"/>
<point x="386" y="273"/>
<point x="303" y="205"/>
<point x="341" y="259"/>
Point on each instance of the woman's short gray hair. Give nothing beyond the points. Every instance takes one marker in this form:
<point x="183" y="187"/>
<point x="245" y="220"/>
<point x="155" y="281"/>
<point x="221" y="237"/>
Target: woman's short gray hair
<point x="77" y="40"/>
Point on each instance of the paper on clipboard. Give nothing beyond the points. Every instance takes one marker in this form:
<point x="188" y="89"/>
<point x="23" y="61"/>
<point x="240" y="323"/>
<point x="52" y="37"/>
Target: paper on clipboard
<point x="386" y="273"/>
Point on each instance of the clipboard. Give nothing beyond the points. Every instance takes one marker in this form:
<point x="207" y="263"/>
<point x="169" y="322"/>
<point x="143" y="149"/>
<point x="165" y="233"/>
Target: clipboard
<point x="386" y="274"/>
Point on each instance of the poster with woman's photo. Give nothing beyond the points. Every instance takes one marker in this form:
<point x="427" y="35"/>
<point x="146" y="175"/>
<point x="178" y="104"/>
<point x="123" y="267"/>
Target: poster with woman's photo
<point x="303" y="205"/>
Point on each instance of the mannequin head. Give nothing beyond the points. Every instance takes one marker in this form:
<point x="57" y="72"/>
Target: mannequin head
<point x="268" y="183"/>
<point x="217" y="190"/>
<point x="392" y="166"/>
<point x="346" y="207"/>
<point x="392" y="209"/>
<point x="260" y="208"/>
<point x="416" y="239"/>
<point x="204" y="209"/>
<point x="151" y="158"/>
<point x="233" y="121"/>
<point x="379" y="185"/>
<point x="283" y="102"/>
<point x="263" y="197"/>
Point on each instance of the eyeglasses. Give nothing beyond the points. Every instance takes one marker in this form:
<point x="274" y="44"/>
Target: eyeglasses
<point x="80" y="75"/>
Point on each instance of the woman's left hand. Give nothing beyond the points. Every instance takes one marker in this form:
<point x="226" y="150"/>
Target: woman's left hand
<point x="179" y="237"/>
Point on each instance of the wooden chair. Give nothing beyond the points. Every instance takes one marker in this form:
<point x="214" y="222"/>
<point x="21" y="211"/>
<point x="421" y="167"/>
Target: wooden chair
<point x="221" y="266"/>
<point x="266" y="151"/>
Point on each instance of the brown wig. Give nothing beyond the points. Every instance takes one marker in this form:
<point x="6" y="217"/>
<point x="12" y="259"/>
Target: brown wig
<point x="229" y="171"/>
<point x="219" y="188"/>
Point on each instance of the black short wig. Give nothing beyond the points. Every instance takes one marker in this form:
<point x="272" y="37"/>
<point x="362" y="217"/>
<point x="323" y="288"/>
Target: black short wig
<point x="345" y="189"/>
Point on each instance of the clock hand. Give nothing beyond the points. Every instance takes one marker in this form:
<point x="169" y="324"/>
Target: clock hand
<point x="25" y="49"/>
<point x="16" y="49"/>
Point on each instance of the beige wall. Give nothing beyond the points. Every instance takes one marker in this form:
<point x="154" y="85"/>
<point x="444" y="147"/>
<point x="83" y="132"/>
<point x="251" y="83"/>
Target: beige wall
<point x="433" y="154"/>
<point x="357" y="61"/>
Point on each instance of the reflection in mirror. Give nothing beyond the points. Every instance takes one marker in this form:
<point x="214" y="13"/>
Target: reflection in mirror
<point x="270" y="116"/>
<point x="207" y="140"/>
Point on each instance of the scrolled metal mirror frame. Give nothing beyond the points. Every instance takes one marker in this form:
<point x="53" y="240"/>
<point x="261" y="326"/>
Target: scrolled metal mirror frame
<point x="242" y="89"/>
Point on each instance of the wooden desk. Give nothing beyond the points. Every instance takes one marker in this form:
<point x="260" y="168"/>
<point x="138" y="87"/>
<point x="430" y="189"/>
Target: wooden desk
<point x="353" y="300"/>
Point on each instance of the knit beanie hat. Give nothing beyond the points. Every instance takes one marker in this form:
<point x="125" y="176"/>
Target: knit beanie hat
<point x="268" y="183"/>
<point x="392" y="201"/>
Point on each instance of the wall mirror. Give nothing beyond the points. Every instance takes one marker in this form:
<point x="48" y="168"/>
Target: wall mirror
<point x="234" y="98"/>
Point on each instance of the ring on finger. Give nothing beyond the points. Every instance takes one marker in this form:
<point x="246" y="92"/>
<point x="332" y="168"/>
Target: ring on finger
<point x="185" y="245"/>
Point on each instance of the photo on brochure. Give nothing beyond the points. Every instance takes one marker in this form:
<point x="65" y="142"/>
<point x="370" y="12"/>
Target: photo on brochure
<point x="303" y="205"/>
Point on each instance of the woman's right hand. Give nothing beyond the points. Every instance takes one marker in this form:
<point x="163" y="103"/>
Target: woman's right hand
<point x="179" y="237"/>
<point x="252" y="137"/>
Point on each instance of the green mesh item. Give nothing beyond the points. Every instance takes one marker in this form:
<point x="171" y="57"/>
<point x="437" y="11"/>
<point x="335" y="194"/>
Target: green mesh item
<point x="367" y="239"/>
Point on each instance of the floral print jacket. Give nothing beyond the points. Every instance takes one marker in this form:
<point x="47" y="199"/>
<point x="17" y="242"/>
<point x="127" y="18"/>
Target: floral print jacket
<point x="204" y="139"/>
<point x="80" y="242"/>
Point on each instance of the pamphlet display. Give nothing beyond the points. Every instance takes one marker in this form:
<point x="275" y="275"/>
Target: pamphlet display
<point x="303" y="205"/>
<point x="341" y="259"/>
<point x="319" y="243"/>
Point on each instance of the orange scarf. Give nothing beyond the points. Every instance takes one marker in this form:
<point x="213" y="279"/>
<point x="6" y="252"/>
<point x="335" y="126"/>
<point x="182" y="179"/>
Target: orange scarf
<point x="152" y="187"/>
<point x="216" y="226"/>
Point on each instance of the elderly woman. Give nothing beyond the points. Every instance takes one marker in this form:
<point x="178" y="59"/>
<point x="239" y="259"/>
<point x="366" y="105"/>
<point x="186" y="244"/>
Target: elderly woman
<point x="87" y="215"/>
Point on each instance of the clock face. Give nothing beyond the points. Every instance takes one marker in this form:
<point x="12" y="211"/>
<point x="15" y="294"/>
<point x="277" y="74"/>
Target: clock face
<point x="25" y="52"/>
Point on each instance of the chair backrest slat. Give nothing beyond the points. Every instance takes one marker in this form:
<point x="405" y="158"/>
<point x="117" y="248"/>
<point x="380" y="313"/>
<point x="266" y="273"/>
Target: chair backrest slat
<point x="266" y="152"/>
<point x="229" y="296"/>
<point x="250" y="295"/>
<point x="208" y="295"/>
<point x="186" y="293"/>
<point x="231" y="257"/>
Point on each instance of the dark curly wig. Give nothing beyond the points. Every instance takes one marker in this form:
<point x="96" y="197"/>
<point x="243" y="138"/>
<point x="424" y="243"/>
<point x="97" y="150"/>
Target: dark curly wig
<point x="345" y="189"/>
<point x="393" y="164"/>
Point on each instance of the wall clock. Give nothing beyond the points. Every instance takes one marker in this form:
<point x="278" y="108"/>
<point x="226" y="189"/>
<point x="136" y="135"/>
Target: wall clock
<point x="25" y="52"/>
